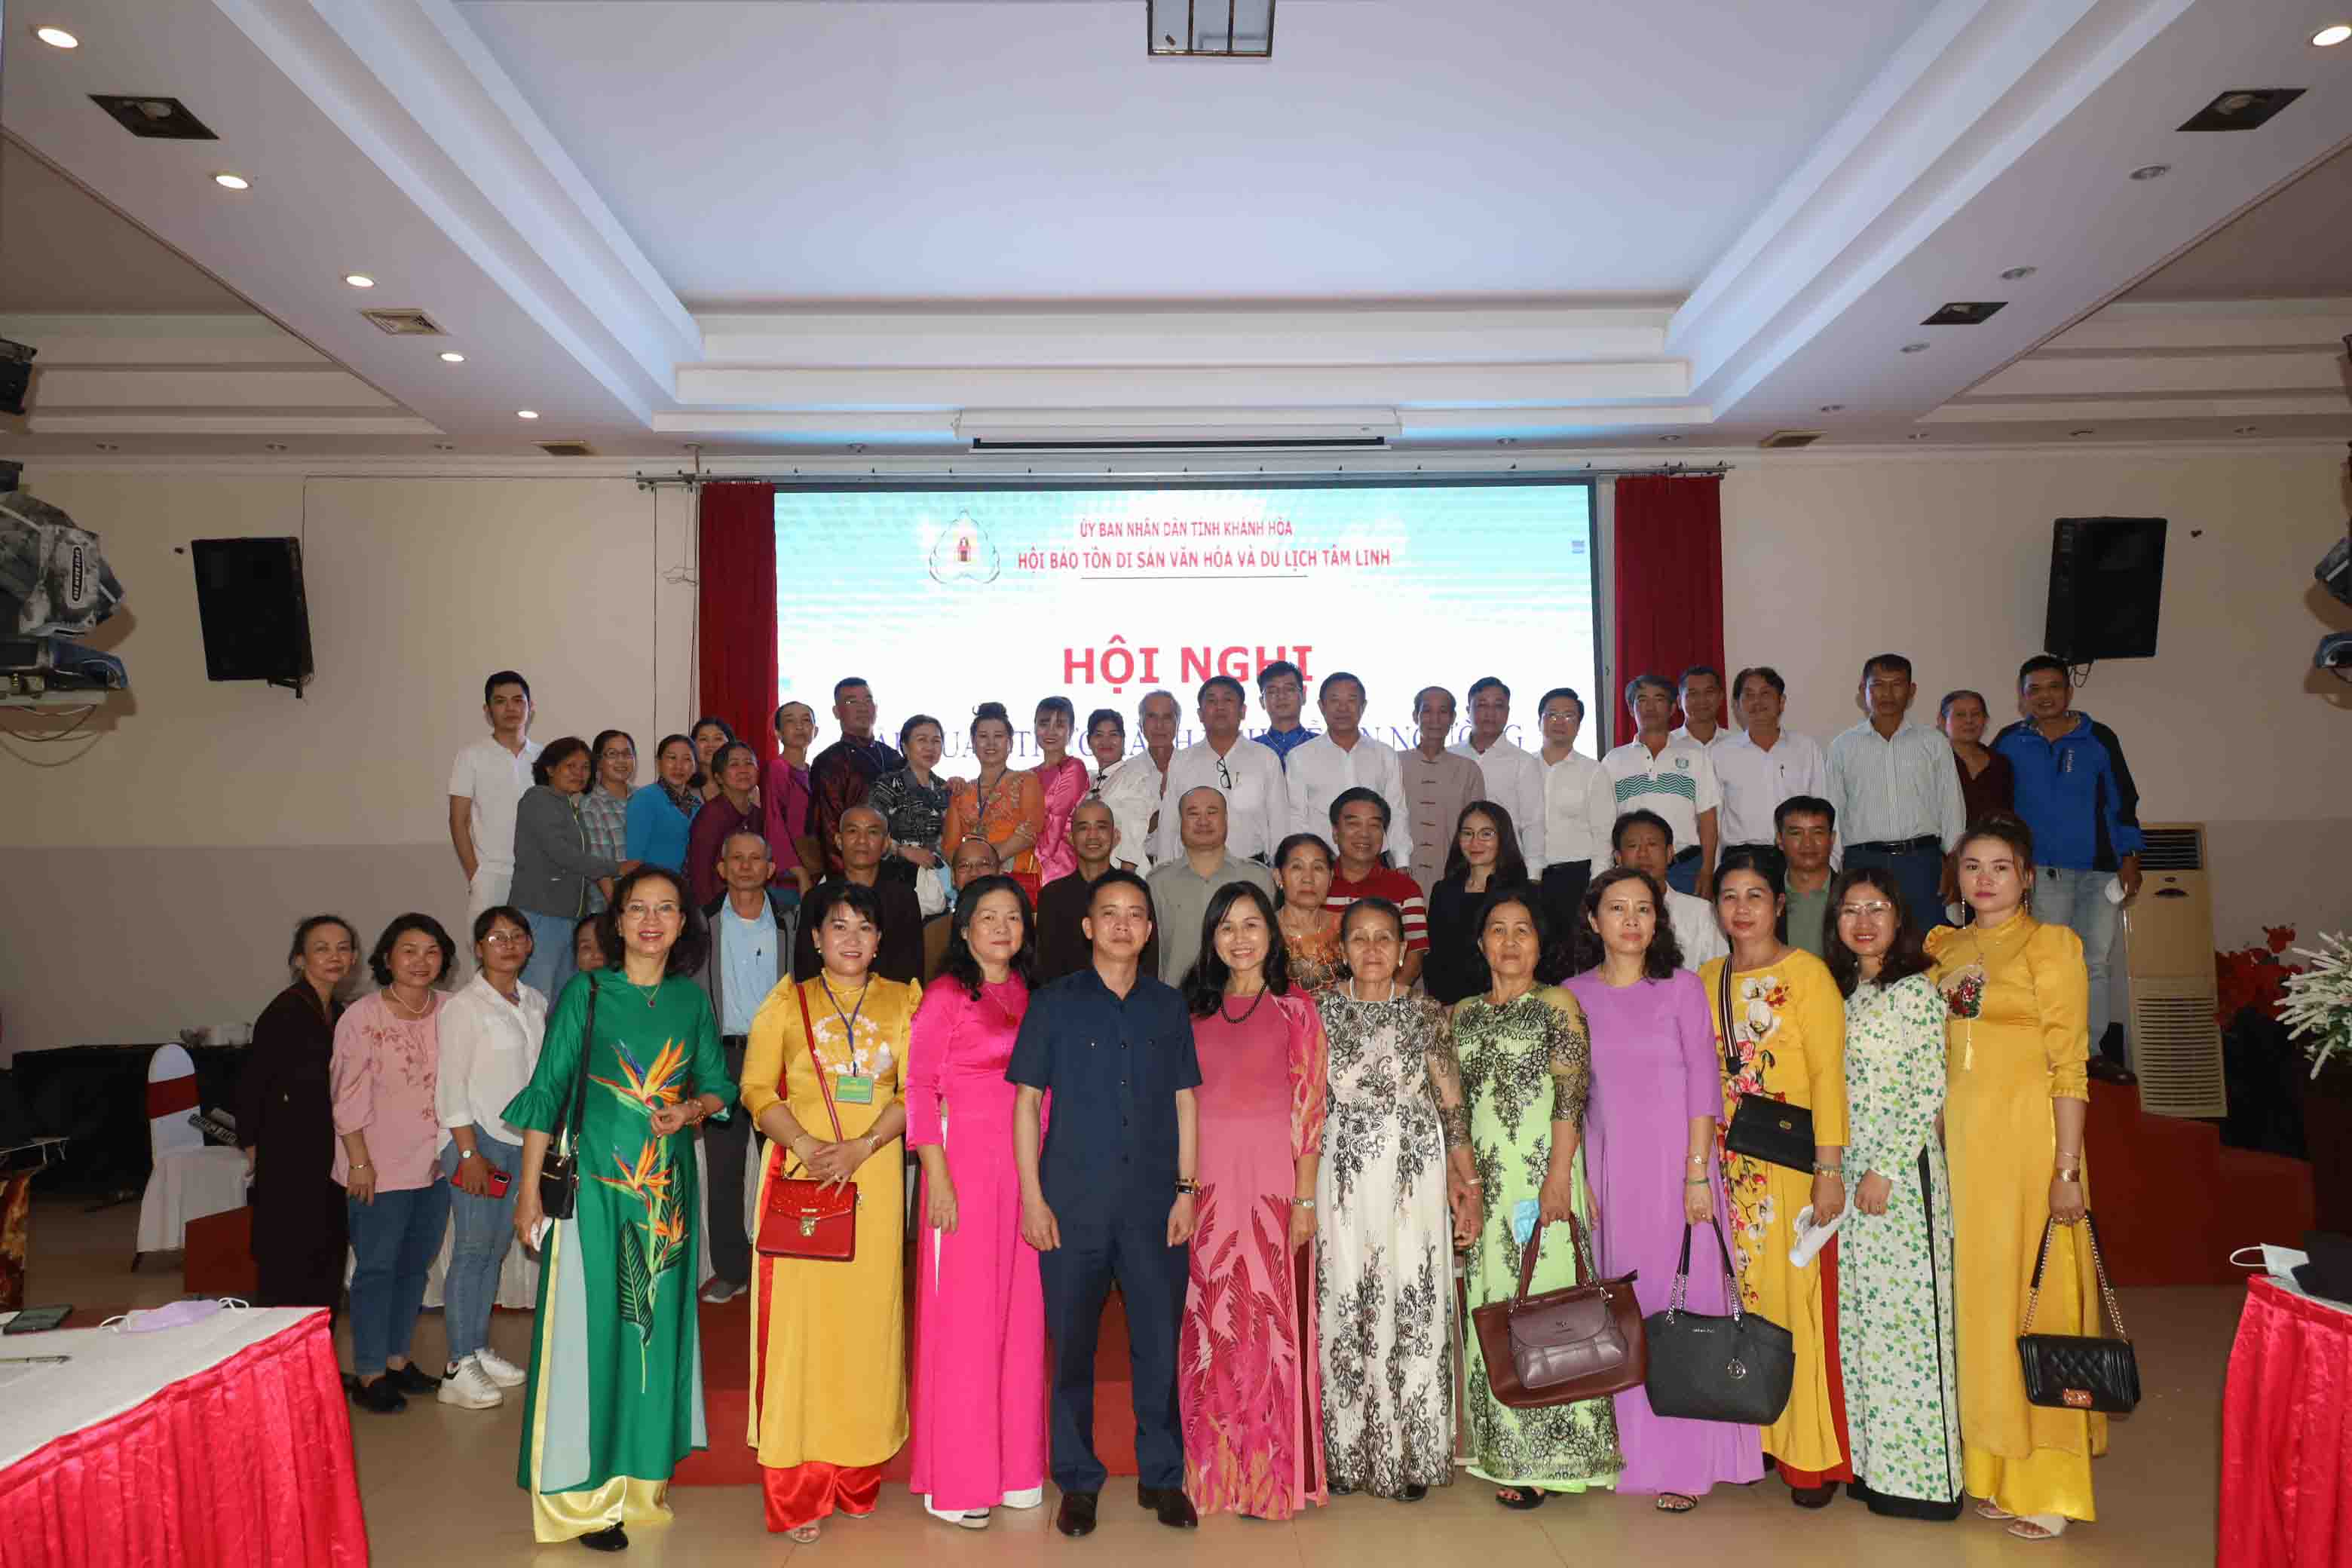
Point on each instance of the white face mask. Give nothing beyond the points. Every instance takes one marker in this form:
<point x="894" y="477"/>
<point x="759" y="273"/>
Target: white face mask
<point x="2279" y="1262"/>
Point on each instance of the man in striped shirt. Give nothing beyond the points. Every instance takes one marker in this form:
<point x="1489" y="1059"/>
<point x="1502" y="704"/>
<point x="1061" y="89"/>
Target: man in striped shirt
<point x="1360" y="827"/>
<point x="1671" y="774"/>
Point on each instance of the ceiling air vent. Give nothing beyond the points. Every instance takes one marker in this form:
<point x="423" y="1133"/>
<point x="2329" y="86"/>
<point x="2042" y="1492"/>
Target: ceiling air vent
<point x="2242" y="109"/>
<point x="1965" y="314"/>
<point x="403" y="323"/>
<point x="566" y="448"/>
<point x="166" y="118"/>
<point x="1790" y="438"/>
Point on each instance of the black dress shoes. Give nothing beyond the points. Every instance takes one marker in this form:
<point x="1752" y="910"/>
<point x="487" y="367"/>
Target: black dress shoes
<point x="1412" y="1491"/>
<point x="383" y="1396"/>
<point x="611" y="1538"/>
<point x="1169" y="1503"/>
<point x="1077" y="1516"/>
<point x="411" y="1379"/>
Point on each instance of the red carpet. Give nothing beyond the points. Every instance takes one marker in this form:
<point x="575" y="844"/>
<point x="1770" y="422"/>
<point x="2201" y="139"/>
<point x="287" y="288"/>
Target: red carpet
<point x="730" y="1461"/>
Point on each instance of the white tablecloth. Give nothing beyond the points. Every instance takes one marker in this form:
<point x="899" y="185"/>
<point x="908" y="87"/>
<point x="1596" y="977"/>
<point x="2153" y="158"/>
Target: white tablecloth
<point x="111" y="1372"/>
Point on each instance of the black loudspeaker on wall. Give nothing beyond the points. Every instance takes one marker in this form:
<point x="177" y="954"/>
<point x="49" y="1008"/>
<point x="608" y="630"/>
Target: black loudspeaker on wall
<point x="256" y="622"/>
<point x="2106" y="574"/>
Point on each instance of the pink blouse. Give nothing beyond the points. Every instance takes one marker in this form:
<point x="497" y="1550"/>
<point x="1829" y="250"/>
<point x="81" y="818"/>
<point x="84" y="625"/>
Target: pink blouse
<point x="382" y="1076"/>
<point x="957" y="1056"/>
<point x="1064" y="787"/>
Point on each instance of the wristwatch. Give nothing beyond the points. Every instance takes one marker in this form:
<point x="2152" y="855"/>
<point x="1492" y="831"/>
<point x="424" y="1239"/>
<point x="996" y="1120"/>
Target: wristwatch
<point x="465" y="1154"/>
<point x="1821" y="1170"/>
<point x="1187" y="1187"/>
<point x="1306" y="1203"/>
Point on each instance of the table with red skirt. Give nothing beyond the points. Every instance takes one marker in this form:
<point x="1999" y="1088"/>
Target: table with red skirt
<point x="216" y="1444"/>
<point x="2286" y="1433"/>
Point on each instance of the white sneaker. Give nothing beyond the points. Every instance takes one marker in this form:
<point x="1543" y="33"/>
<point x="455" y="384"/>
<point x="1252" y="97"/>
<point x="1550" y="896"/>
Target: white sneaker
<point x="499" y="1370"/>
<point x="470" y="1387"/>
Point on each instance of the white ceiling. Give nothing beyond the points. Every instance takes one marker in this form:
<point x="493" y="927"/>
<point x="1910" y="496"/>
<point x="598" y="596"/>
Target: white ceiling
<point x="819" y="226"/>
<point x="800" y="152"/>
<point x="63" y="249"/>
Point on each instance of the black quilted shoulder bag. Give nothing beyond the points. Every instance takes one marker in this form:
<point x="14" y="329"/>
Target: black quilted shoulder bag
<point x="1761" y="1128"/>
<point x="559" y="1168"/>
<point x="2078" y="1372"/>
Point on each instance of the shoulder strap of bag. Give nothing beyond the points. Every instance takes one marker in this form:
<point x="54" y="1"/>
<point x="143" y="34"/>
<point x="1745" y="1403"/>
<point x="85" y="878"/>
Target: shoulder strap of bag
<point x="568" y="1124"/>
<point x="808" y="1027"/>
<point x="1535" y="1243"/>
<point x="1723" y="1017"/>
<point x="2098" y="1268"/>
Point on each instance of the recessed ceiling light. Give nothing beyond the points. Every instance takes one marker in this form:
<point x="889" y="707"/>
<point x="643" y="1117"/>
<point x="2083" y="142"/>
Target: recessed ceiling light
<point x="232" y="182"/>
<point x="107" y="446"/>
<point x="359" y="279"/>
<point x="2014" y="273"/>
<point x="526" y="413"/>
<point x="452" y="357"/>
<point x="1914" y="348"/>
<point x="59" y="38"/>
<point x="2246" y="429"/>
<point x="1916" y="436"/>
<point x="444" y="446"/>
<point x="273" y="445"/>
<point x="1832" y="407"/>
<point x="1669" y="437"/>
<point x="2151" y="170"/>
<point x="2080" y="434"/>
<point x="2326" y="37"/>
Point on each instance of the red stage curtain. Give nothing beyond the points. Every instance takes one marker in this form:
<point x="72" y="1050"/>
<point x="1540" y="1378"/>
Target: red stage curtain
<point x="1669" y="582"/>
<point x="738" y="626"/>
<point x="248" y="1462"/>
<point x="2286" y="1436"/>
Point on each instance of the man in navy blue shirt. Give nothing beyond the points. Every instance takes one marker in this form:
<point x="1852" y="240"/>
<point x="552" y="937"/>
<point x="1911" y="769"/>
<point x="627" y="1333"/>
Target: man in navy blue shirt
<point x="1112" y="1196"/>
<point x="2075" y="794"/>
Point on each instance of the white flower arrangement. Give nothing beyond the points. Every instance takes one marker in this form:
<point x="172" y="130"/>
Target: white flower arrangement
<point x="2317" y="1008"/>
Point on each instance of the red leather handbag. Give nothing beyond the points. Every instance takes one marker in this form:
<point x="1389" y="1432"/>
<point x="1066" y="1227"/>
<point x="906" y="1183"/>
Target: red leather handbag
<point x="803" y="1217"/>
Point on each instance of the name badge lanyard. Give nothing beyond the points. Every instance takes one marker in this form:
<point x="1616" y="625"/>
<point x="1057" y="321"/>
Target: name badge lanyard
<point x="849" y="1031"/>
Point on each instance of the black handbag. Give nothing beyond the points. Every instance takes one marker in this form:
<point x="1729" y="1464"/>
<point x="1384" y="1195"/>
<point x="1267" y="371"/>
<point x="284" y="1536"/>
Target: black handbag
<point x="2078" y="1372"/>
<point x="1702" y="1368"/>
<point x="1761" y="1128"/>
<point x="559" y="1169"/>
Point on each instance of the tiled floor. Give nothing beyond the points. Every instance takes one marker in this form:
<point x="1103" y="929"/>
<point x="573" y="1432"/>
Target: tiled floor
<point x="438" y="1482"/>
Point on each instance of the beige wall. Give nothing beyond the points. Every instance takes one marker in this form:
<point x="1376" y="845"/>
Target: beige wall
<point x="161" y="857"/>
<point x="1948" y="561"/>
<point x="157" y="864"/>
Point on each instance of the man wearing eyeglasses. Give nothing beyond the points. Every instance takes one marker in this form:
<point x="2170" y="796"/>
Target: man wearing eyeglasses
<point x="1896" y="793"/>
<point x="1248" y="776"/>
<point x="1282" y="693"/>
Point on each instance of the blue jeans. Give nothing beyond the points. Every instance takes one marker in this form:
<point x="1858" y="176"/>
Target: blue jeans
<point x="551" y="966"/>
<point x="395" y="1239"/>
<point x="485" y="1230"/>
<point x="1917" y="875"/>
<point x="2078" y="900"/>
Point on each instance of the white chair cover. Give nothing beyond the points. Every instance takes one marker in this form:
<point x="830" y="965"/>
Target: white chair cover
<point x="190" y="1178"/>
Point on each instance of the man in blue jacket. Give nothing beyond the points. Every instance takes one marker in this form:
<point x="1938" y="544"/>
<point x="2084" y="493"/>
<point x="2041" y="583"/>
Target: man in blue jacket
<point x="2075" y="793"/>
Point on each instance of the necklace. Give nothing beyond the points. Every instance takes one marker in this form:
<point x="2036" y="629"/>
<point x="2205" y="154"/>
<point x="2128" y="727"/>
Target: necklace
<point x="1354" y="997"/>
<point x="1244" y="1019"/>
<point x="656" y="997"/>
<point x="426" y="1011"/>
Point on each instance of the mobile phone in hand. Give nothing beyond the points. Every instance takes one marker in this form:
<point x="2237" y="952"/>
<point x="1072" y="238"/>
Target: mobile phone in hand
<point x="498" y="1180"/>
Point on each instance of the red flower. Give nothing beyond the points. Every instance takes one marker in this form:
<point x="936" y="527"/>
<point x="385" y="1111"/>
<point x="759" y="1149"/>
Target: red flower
<point x="2252" y="976"/>
<point x="2280" y="938"/>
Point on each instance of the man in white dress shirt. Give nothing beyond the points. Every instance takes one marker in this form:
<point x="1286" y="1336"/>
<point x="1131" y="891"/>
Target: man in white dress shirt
<point x="1765" y="766"/>
<point x="1701" y="695"/>
<point x="1643" y="840"/>
<point x="484" y="783"/>
<point x="1248" y="775"/>
<point x="1343" y="757"/>
<point x="1579" y="807"/>
<point x="1896" y="792"/>
<point x="1668" y="773"/>
<point x="1515" y="780"/>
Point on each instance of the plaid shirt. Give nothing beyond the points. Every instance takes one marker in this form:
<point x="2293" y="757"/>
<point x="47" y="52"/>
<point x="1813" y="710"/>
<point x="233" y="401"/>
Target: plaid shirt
<point x="605" y="816"/>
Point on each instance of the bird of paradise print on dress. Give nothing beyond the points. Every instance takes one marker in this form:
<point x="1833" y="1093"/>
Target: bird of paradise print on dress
<point x="649" y="1251"/>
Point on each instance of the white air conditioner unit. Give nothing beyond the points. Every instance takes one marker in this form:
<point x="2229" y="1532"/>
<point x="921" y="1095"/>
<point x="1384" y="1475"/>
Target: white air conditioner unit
<point x="2176" y="1045"/>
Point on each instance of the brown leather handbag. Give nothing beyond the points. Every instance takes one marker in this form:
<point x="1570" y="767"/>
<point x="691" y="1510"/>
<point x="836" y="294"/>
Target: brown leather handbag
<point x="1582" y="1342"/>
<point x="801" y="1216"/>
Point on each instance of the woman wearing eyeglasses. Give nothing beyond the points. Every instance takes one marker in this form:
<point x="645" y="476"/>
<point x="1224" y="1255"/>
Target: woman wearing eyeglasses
<point x="605" y="807"/>
<point x="1896" y="1341"/>
<point x="1486" y="856"/>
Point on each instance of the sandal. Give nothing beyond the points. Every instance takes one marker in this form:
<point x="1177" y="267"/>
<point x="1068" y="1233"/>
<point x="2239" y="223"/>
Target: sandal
<point x="1675" y="1502"/>
<point x="1521" y="1498"/>
<point x="805" y="1534"/>
<point x="2033" y="1527"/>
<point x="1992" y="1510"/>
